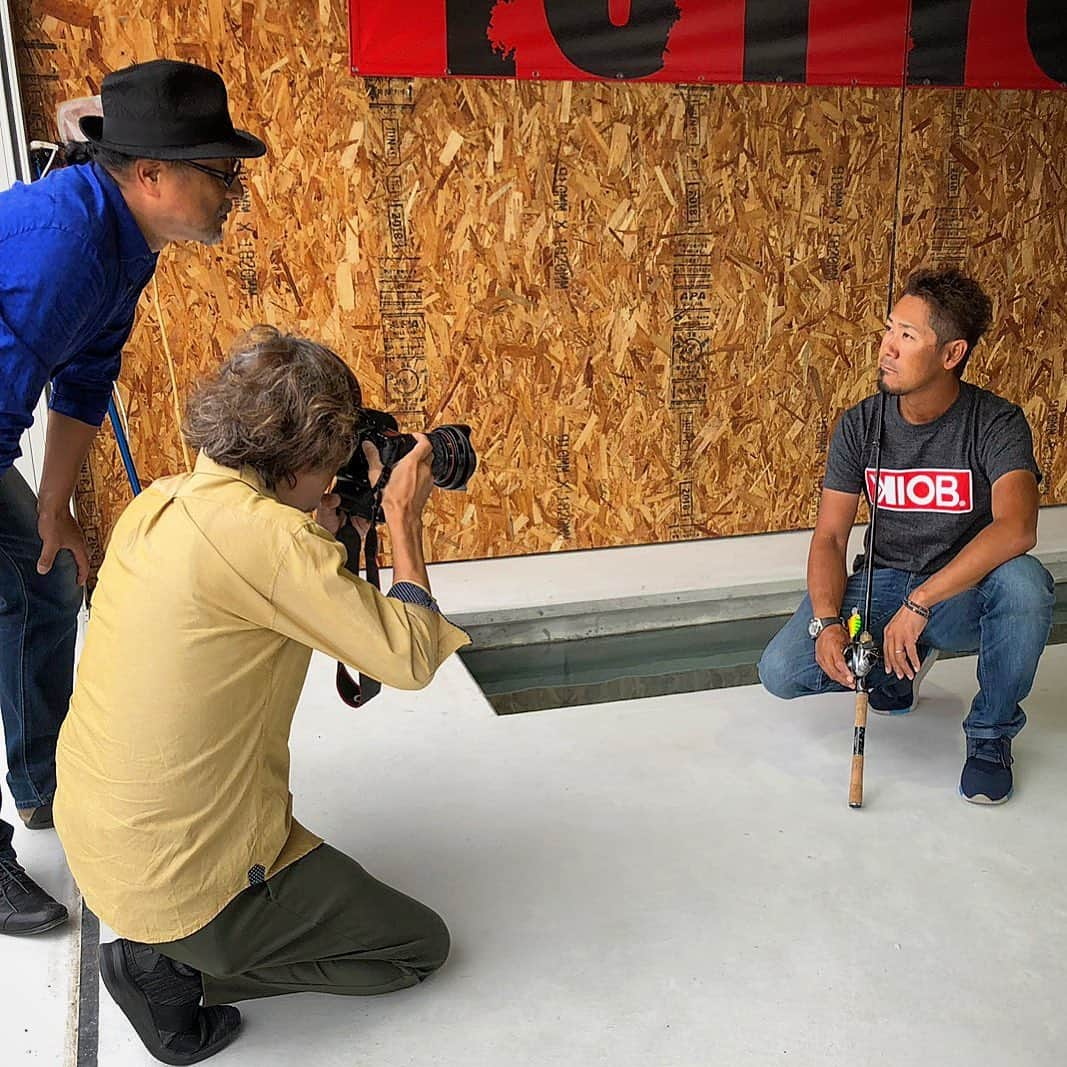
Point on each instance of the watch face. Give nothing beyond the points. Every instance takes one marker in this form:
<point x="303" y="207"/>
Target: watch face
<point x="814" y="628"/>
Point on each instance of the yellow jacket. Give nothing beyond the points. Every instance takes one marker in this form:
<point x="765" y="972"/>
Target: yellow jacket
<point x="173" y="762"/>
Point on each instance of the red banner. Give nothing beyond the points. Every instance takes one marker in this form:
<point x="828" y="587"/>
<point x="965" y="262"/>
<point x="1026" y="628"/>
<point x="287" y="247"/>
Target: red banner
<point x="1001" y="44"/>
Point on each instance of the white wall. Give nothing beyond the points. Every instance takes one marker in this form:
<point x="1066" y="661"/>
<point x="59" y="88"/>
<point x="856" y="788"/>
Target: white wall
<point x="14" y="166"/>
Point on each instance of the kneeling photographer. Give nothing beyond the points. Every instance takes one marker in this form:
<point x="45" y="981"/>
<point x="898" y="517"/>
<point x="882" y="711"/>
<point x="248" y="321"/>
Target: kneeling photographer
<point x="173" y="803"/>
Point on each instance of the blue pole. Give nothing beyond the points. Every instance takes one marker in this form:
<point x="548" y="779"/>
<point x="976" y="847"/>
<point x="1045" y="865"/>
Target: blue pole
<point x="124" y="447"/>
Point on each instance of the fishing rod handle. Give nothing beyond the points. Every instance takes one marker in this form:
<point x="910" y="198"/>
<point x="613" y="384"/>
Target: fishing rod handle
<point x="855" y="785"/>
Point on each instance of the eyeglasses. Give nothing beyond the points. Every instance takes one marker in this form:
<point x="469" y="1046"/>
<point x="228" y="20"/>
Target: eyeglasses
<point x="227" y="177"/>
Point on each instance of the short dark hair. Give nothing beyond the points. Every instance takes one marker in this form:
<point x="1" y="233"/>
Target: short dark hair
<point x="958" y="307"/>
<point x="280" y="404"/>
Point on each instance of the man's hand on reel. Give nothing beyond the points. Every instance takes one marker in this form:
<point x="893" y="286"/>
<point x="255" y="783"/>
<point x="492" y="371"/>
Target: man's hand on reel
<point x="830" y="648"/>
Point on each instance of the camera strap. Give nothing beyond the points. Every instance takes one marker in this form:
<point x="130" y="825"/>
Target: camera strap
<point x="356" y="694"/>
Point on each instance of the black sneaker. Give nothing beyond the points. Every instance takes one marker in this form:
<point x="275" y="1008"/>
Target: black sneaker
<point x="25" y="908"/>
<point x="986" y="777"/>
<point x="877" y="701"/>
<point x="161" y="998"/>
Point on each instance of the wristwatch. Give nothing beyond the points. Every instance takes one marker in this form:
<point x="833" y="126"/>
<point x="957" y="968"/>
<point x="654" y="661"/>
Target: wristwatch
<point x="816" y="626"/>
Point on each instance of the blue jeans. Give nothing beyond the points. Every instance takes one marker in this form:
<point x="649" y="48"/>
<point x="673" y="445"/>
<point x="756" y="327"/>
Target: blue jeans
<point x="38" y="627"/>
<point x="1005" y="618"/>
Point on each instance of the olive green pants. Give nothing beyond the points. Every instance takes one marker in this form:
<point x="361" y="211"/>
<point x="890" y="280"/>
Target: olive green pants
<point x="322" y="925"/>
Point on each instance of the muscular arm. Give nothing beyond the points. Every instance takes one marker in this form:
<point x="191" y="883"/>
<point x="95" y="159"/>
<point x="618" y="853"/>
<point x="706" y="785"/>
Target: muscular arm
<point x="66" y="446"/>
<point x="827" y="568"/>
<point x="1012" y="532"/>
<point x="828" y="576"/>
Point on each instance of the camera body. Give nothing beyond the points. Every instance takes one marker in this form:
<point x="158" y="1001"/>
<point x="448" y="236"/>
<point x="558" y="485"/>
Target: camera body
<point x="453" y="463"/>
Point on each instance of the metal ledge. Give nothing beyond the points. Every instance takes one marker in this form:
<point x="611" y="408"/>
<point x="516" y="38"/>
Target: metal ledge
<point x="603" y="618"/>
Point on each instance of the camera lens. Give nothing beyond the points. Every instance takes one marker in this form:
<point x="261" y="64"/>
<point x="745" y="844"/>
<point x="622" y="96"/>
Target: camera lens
<point x="454" y="460"/>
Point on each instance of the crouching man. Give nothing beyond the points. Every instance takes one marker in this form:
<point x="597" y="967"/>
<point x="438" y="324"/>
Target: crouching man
<point x="173" y="801"/>
<point x="957" y="515"/>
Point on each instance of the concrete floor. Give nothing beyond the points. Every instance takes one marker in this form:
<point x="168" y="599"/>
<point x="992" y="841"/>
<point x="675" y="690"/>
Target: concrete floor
<point x="663" y="883"/>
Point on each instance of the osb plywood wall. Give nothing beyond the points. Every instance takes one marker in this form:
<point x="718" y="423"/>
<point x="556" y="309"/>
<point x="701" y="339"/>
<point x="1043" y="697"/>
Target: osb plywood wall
<point x="650" y="301"/>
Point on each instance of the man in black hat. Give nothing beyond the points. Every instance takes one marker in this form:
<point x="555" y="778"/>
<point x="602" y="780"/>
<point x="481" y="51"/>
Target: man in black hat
<point x="76" y="250"/>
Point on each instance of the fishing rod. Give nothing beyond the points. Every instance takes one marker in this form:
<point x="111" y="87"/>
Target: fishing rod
<point x="862" y="652"/>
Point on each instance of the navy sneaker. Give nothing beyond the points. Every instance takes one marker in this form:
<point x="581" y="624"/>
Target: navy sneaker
<point x="986" y="777"/>
<point x="877" y="701"/>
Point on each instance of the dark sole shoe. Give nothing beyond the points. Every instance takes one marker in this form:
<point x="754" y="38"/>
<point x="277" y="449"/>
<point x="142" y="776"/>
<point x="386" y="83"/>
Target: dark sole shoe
<point x="26" y="908"/>
<point x="37" y="818"/>
<point x="128" y="995"/>
<point x="928" y="661"/>
<point x="987" y="776"/>
<point x="40" y="928"/>
<point x="891" y="711"/>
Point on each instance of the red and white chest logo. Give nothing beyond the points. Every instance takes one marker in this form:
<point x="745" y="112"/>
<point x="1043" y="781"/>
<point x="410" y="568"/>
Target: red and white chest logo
<point x="923" y="489"/>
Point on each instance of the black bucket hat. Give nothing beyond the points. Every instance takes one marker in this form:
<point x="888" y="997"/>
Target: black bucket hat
<point x="168" y="110"/>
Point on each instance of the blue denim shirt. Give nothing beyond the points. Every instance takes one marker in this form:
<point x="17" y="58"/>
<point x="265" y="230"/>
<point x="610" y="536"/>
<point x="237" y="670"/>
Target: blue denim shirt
<point x="73" y="263"/>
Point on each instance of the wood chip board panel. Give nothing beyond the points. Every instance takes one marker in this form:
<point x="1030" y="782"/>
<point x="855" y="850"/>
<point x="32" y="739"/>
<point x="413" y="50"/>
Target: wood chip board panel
<point x="651" y="302"/>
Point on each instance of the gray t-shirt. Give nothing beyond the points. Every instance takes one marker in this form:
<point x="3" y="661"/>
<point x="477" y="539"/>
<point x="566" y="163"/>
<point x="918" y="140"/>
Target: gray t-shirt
<point x="936" y="485"/>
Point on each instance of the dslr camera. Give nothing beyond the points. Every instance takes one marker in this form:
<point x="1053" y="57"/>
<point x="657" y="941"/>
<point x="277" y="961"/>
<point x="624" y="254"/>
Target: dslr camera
<point x="453" y="463"/>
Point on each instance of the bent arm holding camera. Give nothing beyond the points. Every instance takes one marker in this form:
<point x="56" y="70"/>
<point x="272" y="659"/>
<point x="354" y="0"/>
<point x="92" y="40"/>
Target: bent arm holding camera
<point x="404" y="647"/>
<point x="403" y="499"/>
<point x="216" y="587"/>
<point x="318" y="603"/>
